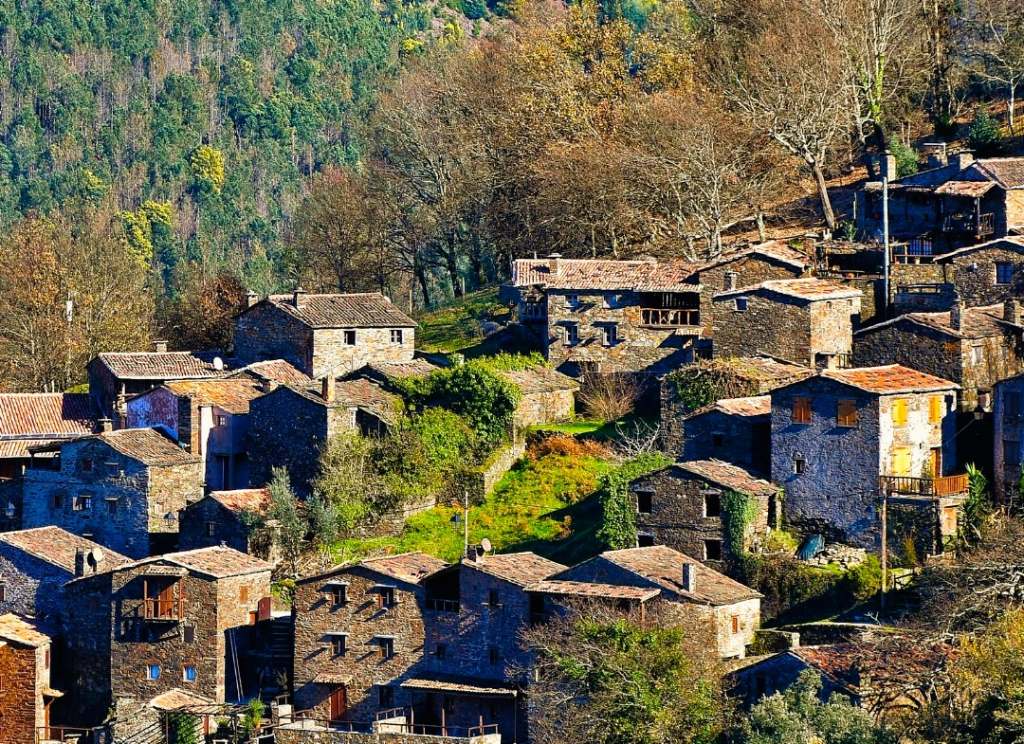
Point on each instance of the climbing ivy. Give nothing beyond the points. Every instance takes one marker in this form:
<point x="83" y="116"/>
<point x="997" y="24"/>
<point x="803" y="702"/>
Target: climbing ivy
<point x="738" y="512"/>
<point x="618" y="523"/>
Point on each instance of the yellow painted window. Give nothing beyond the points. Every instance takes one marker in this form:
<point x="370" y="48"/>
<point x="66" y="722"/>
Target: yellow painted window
<point x="901" y="460"/>
<point x="935" y="409"/>
<point x="899" y="412"/>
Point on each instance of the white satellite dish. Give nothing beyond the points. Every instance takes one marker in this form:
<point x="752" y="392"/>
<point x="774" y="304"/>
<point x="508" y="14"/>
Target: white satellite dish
<point x="486" y="545"/>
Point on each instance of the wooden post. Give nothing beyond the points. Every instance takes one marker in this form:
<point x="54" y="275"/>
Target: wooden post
<point x="885" y="546"/>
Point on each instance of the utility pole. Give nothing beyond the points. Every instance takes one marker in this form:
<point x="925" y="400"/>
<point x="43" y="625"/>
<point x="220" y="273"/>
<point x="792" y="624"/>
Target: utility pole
<point x="885" y="546"/>
<point x="465" y="522"/>
<point x="885" y="238"/>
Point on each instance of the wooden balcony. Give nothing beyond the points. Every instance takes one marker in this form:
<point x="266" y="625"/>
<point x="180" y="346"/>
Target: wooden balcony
<point x="971" y="224"/>
<point x="946" y="485"/>
<point x="658" y="317"/>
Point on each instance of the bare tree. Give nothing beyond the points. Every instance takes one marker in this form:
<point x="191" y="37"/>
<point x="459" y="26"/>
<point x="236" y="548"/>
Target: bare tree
<point x="999" y="46"/>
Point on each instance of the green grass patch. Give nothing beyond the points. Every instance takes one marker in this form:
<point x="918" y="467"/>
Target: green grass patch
<point x="544" y="505"/>
<point x="456" y="327"/>
<point x="572" y="428"/>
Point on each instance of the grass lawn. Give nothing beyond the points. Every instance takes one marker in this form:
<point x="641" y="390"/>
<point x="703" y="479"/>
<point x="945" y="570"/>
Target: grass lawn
<point x="600" y="431"/>
<point x="457" y="326"/>
<point x="544" y="505"/>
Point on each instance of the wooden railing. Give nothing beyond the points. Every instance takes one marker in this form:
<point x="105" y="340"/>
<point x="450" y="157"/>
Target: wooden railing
<point x="969" y="223"/>
<point x="442" y="605"/>
<point x="947" y="485"/>
<point x="162" y="609"/>
<point x="669" y="317"/>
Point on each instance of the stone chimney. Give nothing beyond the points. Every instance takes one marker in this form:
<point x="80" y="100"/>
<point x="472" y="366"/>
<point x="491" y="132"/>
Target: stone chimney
<point x="105" y="424"/>
<point x="555" y="264"/>
<point x="887" y="166"/>
<point x="268" y="385"/>
<point x="329" y="388"/>
<point x="79" y="561"/>
<point x="475" y="553"/>
<point x="1011" y="311"/>
<point x="160" y="347"/>
<point x="690" y="577"/>
<point x="963" y="159"/>
<point x="251" y="298"/>
<point x="730" y="280"/>
<point x="298" y="297"/>
<point x="956" y="314"/>
<point x="937" y="154"/>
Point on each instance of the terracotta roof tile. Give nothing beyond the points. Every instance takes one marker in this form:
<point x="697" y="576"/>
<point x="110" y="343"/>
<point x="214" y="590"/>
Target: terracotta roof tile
<point x="58" y="547"/>
<point x="892" y="378"/>
<point x="730" y="476"/>
<point x="604" y="274"/>
<point x="809" y="289"/>
<point x="232" y="395"/>
<point x="408" y="567"/>
<point x="755" y="405"/>
<point x="367" y="310"/>
<point x="664" y="566"/>
<point x="218" y="561"/>
<point x="1007" y="172"/>
<point x="597" y="591"/>
<point x="31" y="419"/>
<point x="146" y="445"/>
<point x="965" y="188"/>
<point x="975" y="322"/>
<point x="518" y="568"/>
<point x="163" y="365"/>
<point x="243" y="499"/>
<point x="21" y="631"/>
<point x="274" y="370"/>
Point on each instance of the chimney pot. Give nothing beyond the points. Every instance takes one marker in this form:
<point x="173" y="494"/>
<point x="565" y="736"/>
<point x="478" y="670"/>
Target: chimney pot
<point x="106" y="424"/>
<point x="329" y="388"/>
<point x="298" y="296"/>
<point x="251" y="298"/>
<point x="937" y="154"/>
<point x="160" y="347"/>
<point x="554" y="264"/>
<point x="889" y="166"/>
<point x="730" y="280"/>
<point x="79" y="562"/>
<point x="963" y="159"/>
<point x="689" y="577"/>
<point x="268" y="385"/>
<point x="956" y="314"/>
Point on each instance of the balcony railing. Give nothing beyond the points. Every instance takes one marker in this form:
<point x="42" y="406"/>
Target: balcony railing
<point x="669" y="317"/>
<point x="162" y="609"/>
<point x="969" y="223"/>
<point x="442" y="605"/>
<point x="901" y="485"/>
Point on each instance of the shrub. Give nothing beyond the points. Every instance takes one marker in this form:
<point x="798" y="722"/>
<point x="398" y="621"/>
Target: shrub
<point x="608" y="397"/>
<point x="864" y="581"/>
<point x="563" y="444"/>
<point x="906" y="158"/>
<point x="984" y="136"/>
<point x="505" y="362"/>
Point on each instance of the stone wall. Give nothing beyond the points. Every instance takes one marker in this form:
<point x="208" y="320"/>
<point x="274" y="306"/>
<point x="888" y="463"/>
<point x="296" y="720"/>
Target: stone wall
<point x="974" y="275"/>
<point x="31" y="586"/>
<point x="742" y="440"/>
<point x="21" y="704"/>
<point x="748" y="270"/>
<point x="1008" y="423"/>
<point x="295" y="735"/>
<point x="544" y="407"/>
<point x="264" y="332"/>
<point x="171" y="489"/>
<point x="227" y="527"/>
<point x="286" y="429"/>
<point x="88" y="635"/>
<point x="332" y="355"/>
<point x="481" y="480"/>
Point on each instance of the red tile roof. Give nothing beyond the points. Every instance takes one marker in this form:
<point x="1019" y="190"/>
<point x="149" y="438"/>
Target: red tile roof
<point x="518" y="568"/>
<point x="812" y="290"/>
<point x="232" y="395"/>
<point x="664" y="566"/>
<point x="161" y="365"/>
<point x="243" y="499"/>
<point x="730" y="476"/>
<point x="598" y="591"/>
<point x="274" y="370"/>
<point x="58" y="547"/>
<point x="367" y="310"/>
<point x="408" y="567"/>
<point x="755" y="405"/>
<point x="969" y="189"/>
<point x="890" y="379"/>
<point x="21" y="631"/>
<point x="32" y="419"/>
<point x="218" y="562"/>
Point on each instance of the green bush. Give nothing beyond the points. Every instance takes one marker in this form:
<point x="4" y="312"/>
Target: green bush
<point x="906" y="158"/>
<point x="864" y="581"/>
<point x="618" y="524"/>
<point x="984" y="136"/>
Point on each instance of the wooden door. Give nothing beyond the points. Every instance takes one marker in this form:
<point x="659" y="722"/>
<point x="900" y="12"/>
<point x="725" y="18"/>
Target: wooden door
<point x="165" y="602"/>
<point x="936" y="462"/>
<point x="901" y="460"/>
<point x="339" y="703"/>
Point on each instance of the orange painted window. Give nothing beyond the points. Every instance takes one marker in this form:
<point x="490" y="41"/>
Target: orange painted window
<point x="801" y="410"/>
<point x="846" y="413"/>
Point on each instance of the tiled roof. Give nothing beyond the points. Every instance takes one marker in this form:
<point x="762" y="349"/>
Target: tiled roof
<point x="408" y="567"/>
<point x="148" y="446"/>
<point x="755" y="405"/>
<point x="975" y="322"/>
<point x="603" y="274"/>
<point x="809" y="289"/>
<point x="892" y="378"/>
<point x="664" y="566"/>
<point x="464" y="685"/>
<point x="368" y="310"/>
<point x="232" y="395"/>
<point x="540" y="379"/>
<point x="518" y="568"/>
<point x="31" y="419"/>
<point x="1011" y="243"/>
<point x="219" y="562"/>
<point x="58" y="547"/>
<point x="757" y="369"/>
<point x="243" y="499"/>
<point x="598" y="591"/>
<point x="22" y="632"/>
<point x="965" y="188"/>
<point x="730" y="476"/>
<point x="365" y="394"/>
<point x="161" y="365"/>
<point x="274" y="370"/>
<point x="1007" y="172"/>
<point x="176" y="699"/>
<point x="418" y="367"/>
<point x="778" y="250"/>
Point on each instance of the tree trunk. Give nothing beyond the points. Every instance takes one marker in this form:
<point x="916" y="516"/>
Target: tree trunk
<point x="826" y="201"/>
<point x="762" y="234"/>
<point x="1011" y="109"/>
<point x="421" y="278"/>
<point x="452" y="264"/>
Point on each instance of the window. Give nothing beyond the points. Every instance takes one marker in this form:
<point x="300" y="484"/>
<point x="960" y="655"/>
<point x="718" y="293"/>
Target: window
<point x="82" y="502"/>
<point x="611" y="334"/>
<point x="643" y="502"/>
<point x="712" y="505"/>
<point x="901" y="461"/>
<point x="86" y="465"/>
<point x="741" y="304"/>
<point x="188" y="674"/>
<point x="396" y="335"/>
<point x="58" y="501"/>
<point x="339" y="594"/>
<point x="735" y="624"/>
<point x="572" y="334"/>
<point x="493" y="600"/>
<point x="977" y="355"/>
<point x="717" y="440"/>
<point x="494" y="655"/>
<point x="644" y="540"/>
<point x="899" y="412"/>
<point x="712" y="550"/>
<point x="3" y="592"/>
<point x="349" y="338"/>
<point x="46" y="659"/>
<point x="1004" y="272"/>
<point x="222" y="420"/>
<point x="935" y="409"/>
<point x="243" y="594"/>
<point x="385" y="597"/>
<point x="387" y="647"/>
<point x="846" y="413"/>
<point x="572" y="300"/>
<point x="338" y="644"/>
<point x="610" y="301"/>
<point x="799" y="465"/>
<point x="801" y="410"/>
<point x="386" y="696"/>
<point x="111" y="506"/>
<point x="441" y="650"/>
<point x="211" y="529"/>
<point x="152" y="672"/>
<point x="1011" y="405"/>
<point x="1011" y="452"/>
<point x="190" y="634"/>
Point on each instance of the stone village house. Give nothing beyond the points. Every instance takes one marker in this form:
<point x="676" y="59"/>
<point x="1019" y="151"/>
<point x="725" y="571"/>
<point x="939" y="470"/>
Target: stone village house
<point x="122" y="488"/>
<point x="685" y="506"/>
<point x="843" y="438"/>
<point x="176" y="622"/>
<point x="219" y="518"/>
<point x="324" y="334"/>
<point x="25" y="691"/>
<point x="736" y="430"/>
<point x="1008" y="436"/>
<point x="209" y="418"/>
<point x="804" y="321"/>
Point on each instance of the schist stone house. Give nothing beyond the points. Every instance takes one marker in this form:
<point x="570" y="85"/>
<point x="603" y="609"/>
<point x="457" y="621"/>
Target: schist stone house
<point x="736" y="430"/>
<point x="324" y="334"/>
<point x="957" y="201"/>
<point x="805" y="321"/>
<point x="843" y="438"/>
<point x="1008" y="435"/>
<point x="25" y="691"/>
<point x="682" y="506"/>
<point x="436" y="644"/>
<point x="632" y="316"/>
<point x="122" y="488"/>
<point x="115" y="377"/>
<point x="35" y="564"/>
<point x="972" y="346"/>
<point x="219" y="519"/>
<point x="289" y="426"/>
<point x="209" y="418"/>
<point x="180" y="621"/>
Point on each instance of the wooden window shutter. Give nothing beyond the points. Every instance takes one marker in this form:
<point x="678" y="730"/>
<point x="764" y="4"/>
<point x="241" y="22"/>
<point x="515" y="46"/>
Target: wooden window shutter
<point x="899" y="412"/>
<point x="846" y="413"/>
<point x="935" y="409"/>
<point x="801" y="410"/>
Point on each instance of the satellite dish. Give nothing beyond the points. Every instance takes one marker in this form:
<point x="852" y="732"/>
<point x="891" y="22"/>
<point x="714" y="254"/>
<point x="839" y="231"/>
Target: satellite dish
<point x="486" y="545"/>
<point x="218" y="364"/>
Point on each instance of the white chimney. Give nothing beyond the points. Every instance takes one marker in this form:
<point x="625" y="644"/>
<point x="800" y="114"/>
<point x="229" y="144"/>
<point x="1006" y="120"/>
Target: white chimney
<point x="690" y="577"/>
<point x="105" y="424"/>
<point x="730" y="280"/>
<point x="218" y="364"/>
<point x="963" y="159"/>
<point x="160" y="347"/>
<point x="298" y="296"/>
<point x="251" y="298"/>
<point x="555" y="264"/>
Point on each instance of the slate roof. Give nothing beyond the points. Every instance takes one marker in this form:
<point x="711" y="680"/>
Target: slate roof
<point x="367" y="310"/>
<point x="22" y="632"/>
<point x="408" y="567"/>
<point x="365" y="394"/>
<point x="540" y="379"/>
<point x="31" y="419"/>
<point x="218" y="562"/>
<point x="148" y="446"/>
<point x="232" y="395"/>
<point x="729" y="476"/>
<point x="243" y="499"/>
<point x="418" y="367"/>
<point x="664" y="566"/>
<point x="975" y="322"/>
<point x="464" y="685"/>
<point x="522" y="569"/>
<point x="177" y="698"/>
<point x="755" y="405"/>
<point x="777" y="250"/>
<point x="972" y="189"/>
<point x="161" y="365"/>
<point x="596" y="591"/>
<point x="892" y="378"/>
<point x="809" y="289"/>
<point x="58" y="547"/>
<point x="1007" y="172"/>
<point x="274" y="370"/>
<point x="758" y="369"/>
<point x="604" y="274"/>
<point x="1012" y="243"/>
